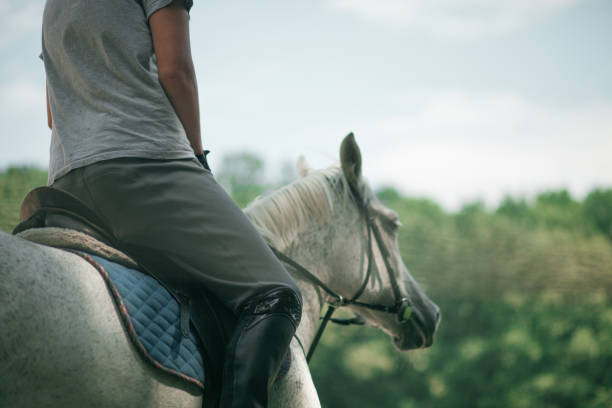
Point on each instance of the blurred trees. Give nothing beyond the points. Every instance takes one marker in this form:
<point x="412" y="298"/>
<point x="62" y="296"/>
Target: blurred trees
<point x="526" y="299"/>
<point x="525" y="292"/>
<point x="242" y="175"/>
<point x="15" y="183"/>
<point x="597" y="207"/>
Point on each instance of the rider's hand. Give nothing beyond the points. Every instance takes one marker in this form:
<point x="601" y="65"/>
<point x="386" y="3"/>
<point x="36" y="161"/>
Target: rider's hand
<point x="202" y="159"/>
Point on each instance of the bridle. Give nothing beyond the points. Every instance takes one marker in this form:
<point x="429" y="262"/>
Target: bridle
<point x="403" y="306"/>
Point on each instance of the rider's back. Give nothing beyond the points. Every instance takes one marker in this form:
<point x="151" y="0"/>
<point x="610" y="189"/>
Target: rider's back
<point x="102" y="75"/>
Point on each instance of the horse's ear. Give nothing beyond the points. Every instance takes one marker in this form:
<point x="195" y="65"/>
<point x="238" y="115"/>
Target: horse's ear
<point x="350" y="158"/>
<point x="303" y="167"/>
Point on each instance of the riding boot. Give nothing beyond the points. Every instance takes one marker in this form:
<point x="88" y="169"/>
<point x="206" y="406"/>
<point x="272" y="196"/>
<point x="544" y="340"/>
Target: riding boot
<point x="257" y="348"/>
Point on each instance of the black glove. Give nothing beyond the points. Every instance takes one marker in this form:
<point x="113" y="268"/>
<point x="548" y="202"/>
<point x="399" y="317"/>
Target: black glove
<point x="202" y="159"/>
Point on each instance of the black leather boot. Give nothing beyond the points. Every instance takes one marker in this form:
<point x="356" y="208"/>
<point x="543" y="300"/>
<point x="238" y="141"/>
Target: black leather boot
<point x="257" y="348"/>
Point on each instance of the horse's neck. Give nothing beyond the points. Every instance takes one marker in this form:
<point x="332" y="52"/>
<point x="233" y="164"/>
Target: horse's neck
<point x="313" y="297"/>
<point x="325" y="242"/>
<point x="312" y="305"/>
<point x="324" y="253"/>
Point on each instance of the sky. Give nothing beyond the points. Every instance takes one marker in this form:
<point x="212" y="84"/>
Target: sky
<point x="453" y="100"/>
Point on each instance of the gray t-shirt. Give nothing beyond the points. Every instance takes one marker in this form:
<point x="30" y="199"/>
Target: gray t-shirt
<point x="105" y="96"/>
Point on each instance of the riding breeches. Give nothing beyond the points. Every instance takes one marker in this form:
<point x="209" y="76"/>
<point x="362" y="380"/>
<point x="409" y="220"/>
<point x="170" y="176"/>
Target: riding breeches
<point x="175" y="212"/>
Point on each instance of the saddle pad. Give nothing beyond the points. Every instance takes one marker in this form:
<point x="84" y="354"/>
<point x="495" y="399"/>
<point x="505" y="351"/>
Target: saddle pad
<point x="152" y="318"/>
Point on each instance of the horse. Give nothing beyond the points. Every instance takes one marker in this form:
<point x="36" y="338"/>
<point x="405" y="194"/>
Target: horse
<point x="62" y="343"/>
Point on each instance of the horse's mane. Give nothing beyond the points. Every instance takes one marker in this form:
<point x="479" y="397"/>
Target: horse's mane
<point x="281" y="215"/>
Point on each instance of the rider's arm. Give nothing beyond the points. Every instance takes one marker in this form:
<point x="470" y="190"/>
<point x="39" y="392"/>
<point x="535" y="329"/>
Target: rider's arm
<point x="170" y="30"/>
<point x="49" y="117"/>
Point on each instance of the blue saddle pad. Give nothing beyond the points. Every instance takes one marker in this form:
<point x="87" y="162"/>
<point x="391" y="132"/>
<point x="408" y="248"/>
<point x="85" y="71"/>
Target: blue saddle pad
<point x="152" y="318"/>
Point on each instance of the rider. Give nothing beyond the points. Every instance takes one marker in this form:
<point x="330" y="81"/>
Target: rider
<point x="122" y="103"/>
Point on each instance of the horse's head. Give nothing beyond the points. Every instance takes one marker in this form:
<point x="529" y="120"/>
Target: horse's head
<point x="331" y="222"/>
<point x="411" y="318"/>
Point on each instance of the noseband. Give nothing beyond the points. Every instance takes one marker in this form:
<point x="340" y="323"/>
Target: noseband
<point x="402" y="307"/>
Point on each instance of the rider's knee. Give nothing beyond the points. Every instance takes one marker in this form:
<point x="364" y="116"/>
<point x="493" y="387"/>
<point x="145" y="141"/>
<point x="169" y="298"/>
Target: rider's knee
<point x="286" y="301"/>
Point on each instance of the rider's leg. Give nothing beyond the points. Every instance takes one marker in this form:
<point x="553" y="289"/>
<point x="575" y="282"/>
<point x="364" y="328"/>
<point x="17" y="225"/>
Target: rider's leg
<point x="177" y="209"/>
<point x="257" y="347"/>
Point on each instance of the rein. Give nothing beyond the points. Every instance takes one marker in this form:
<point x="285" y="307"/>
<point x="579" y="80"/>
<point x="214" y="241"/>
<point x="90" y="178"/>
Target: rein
<point x="402" y="307"/>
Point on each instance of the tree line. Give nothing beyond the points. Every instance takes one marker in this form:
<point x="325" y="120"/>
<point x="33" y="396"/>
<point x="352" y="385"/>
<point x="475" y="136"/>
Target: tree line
<point x="525" y="291"/>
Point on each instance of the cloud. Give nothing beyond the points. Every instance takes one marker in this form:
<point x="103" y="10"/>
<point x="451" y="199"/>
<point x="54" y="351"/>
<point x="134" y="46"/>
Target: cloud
<point x="19" y="19"/>
<point x="463" y="146"/>
<point x="21" y="98"/>
<point x="452" y="18"/>
<point x="24" y="138"/>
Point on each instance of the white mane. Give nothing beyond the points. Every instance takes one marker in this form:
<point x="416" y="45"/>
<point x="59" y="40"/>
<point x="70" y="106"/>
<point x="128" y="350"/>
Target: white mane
<point x="283" y="214"/>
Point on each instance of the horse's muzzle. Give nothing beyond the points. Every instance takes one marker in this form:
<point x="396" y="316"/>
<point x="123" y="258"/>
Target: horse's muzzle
<point x="418" y="332"/>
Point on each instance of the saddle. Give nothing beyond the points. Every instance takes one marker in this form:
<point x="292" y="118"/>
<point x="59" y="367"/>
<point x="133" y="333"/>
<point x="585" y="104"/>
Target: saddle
<point x="50" y="208"/>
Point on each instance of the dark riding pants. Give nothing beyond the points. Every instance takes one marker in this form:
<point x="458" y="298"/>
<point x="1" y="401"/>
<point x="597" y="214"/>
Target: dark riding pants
<point x="174" y="214"/>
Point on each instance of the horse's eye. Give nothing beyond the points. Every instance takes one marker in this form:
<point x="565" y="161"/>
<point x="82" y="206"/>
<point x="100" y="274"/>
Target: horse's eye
<point x="388" y="218"/>
<point x="394" y="224"/>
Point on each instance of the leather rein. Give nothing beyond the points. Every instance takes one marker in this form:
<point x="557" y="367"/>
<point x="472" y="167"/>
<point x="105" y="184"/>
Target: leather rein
<point x="402" y="307"/>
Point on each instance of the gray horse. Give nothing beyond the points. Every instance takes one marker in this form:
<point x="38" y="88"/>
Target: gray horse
<point x="62" y="343"/>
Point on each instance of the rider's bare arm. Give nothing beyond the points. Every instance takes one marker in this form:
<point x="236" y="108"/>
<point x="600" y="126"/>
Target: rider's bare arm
<point x="170" y="30"/>
<point x="49" y="117"/>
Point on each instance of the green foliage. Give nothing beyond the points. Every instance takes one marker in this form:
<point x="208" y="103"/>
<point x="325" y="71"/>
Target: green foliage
<point x="598" y="210"/>
<point x="525" y="293"/>
<point x="15" y="183"/>
<point x="513" y="208"/>
<point x="242" y="175"/>
<point x="557" y="209"/>
<point x="550" y="210"/>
